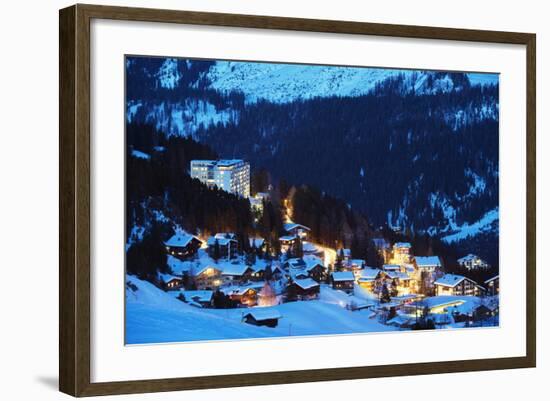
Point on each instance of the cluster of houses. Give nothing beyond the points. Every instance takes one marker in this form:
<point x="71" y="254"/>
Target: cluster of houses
<point x="403" y="278"/>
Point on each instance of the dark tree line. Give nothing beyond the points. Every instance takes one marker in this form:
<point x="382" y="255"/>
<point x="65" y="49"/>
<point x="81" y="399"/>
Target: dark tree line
<point x="162" y="182"/>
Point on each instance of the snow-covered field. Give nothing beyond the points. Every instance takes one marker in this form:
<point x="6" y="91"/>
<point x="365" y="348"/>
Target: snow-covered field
<point x="154" y="316"/>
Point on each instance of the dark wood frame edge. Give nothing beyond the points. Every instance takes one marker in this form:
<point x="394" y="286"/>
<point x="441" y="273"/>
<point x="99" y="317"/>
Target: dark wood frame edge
<point x="74" y="199"/>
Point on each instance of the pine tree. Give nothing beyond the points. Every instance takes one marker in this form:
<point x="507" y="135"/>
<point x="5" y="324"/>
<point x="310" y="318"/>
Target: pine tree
<point x="339" y="262"/>
<point x="216" y="253"/>
<point x="298" y="248"/>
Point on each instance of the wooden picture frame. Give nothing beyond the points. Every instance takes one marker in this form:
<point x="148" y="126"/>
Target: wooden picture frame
<point x="74" y="204"/>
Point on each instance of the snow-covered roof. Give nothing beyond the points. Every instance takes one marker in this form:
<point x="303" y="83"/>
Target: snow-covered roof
<point x="427" y="261"/>
<point x="450" y="280"/>
<point x="181" y="239"/>
<point x="308" y="247"/>
<point x="312" y="262"/>
<point x="298" y="273"/>
<point x="368" y="274"/>
<point x="306" y="283"/>
<point x="402" y="245"/>
<point x="391" y="267"/>
<point x="230" y="269"/>
<point x="200" y="269"/>
<point x="450" y="300"/>
<point x="223" y="241"/>
<point x="260" y="313"/>
<point x="229" y="162"/>
<point x="256" y="242"/>
<point x="357" y="262"/>
<point x="343" y="276"/>
<point x="468" y="258"/>
<point x="492" y="279"/>
<point x="296" y="262"/>
<point x="178" y="266"/>
<point x="168" y="277"/>
<point x="292" y="226"/>
<point x="397" y="275"/>
<point x="287" y="238"/>
<point x="236" y="290"/>
<point x="198" y="295"/>
<point x="258" y="267"/>
<point x="276" y="266"/>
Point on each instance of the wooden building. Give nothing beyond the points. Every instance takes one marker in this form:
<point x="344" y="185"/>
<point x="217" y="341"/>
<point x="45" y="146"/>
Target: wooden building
<point x="171" y="282"/>
<point x="315" y="269"/>
<point x="208" y="278"/>
<point x="428" y="264"/>
<point x="182" y="245"/>
<point x="243" y="295"/>
<point x="368" y="278"/>
<point x="226" y="243"/>
<point x="236" y="273"/>
<point x="287" y="241"/>
<point x="472" y="262"/>
<point x="303" y="289"/>
<point x="199" y="298"/>
<point x="298" y="230"/>
<point x="262" y="317"/>
<point x="453" y="284"/>
<point x="343" y="281"/>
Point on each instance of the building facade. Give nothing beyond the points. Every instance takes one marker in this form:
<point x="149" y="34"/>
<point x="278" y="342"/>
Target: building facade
<point x="493" y="285"/>
<point x="452" y="284"/>
<point x="229" y="175"/>
<point x="472" y="262"/>
<point x="401" y="253"/>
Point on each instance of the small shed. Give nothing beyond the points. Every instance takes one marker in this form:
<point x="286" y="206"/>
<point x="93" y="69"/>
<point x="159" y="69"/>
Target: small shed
<point x="262" y="317"/>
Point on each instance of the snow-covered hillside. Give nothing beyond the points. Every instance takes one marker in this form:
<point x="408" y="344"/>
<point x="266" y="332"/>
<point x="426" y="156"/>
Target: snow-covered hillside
<point x="155" y="316"/>
<point x="281" y="83"/>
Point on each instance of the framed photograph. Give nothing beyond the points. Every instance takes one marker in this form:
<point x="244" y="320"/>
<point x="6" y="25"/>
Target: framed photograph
<point x="249" y="200"/>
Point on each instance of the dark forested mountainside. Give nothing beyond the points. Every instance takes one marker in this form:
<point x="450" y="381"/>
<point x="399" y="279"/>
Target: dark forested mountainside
<point x="422" y="157"/>
<point x="161" y="195"/>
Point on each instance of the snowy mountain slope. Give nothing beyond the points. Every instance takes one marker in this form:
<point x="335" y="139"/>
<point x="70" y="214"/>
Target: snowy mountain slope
<point x="176" y="107"/>
<point x="154" y="316"/>
<point x="182" y="118"/>
<point x="415" y="149"/>
<point x="287" y="82"/>
<point x="488" y="223"/>
<point x="281" y="83"/>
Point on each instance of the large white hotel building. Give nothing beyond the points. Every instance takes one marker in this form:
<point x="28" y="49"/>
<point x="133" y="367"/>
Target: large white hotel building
<point x="230" y="175"/>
